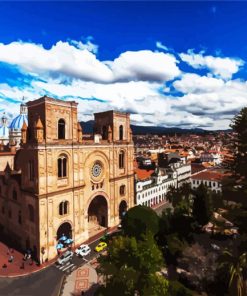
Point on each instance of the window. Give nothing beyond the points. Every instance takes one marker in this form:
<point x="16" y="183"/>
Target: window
<point x="63" y="208"/>
<point x="120" y="132"/>
<point x="122" y="190"/>
<point x="10" y="214"/>
<point x="14" y="194"/>
<point x="121" y="160"/>
<point x="31" y="170"/>
<point x="19" y="217"/>
<point x="3" y="210"/>
<point x="61" y="129"/>
<point x="104" y="133"/>
<point x="62" y="166"/>
<point x="31" y="213"/>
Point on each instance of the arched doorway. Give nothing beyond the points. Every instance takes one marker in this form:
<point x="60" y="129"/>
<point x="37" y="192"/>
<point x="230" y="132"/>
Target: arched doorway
<point x="122" y="209"/>
<point x="64" y="229"/>
<point x="97" y="212"/>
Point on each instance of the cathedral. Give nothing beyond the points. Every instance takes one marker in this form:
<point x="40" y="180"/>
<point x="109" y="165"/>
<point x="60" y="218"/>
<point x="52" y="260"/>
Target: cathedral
<point x="63" y="183"/>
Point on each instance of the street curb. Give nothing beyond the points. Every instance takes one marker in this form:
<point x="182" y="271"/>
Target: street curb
<point x="26" y="274"/>
<point x="62" y="281"/>
<point x="53" y="261"/>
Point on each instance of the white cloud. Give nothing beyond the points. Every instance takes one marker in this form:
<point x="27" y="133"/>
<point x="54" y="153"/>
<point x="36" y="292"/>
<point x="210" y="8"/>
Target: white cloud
<point x="145" y="65"/>
<point x="223" y="67"/>
<point x="88" y="45"/>
<point x="132" y="82"/>
<point x="161" y="46"/>
<point x="76" y="61"/>
<point x="193" y="83"/>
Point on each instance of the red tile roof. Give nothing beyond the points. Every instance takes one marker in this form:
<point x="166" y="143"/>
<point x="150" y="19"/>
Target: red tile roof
<point x="143" y="174"/>
<point x="209" y="175"/>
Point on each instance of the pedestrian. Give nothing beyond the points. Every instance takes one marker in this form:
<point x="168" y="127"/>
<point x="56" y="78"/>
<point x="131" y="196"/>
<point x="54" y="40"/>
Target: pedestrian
<point x="11" y="258"/>
<point x="4" y="265"/>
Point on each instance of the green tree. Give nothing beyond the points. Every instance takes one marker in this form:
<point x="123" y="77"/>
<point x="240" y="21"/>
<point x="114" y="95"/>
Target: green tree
<point x="180" y="198"/>
<point x="202" y="205"/>
<point x="237" y="268"/>
<point x="131" y="266"/>
<point x="140" y="220"/>
<point x="239" y="165"/>
<point x="177" y="289"/>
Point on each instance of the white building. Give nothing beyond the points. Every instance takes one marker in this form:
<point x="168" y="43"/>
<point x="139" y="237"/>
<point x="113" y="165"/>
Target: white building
<point x="152" y="186"/>
<point x="211" y="179"/>
<point x="173" y="163"/>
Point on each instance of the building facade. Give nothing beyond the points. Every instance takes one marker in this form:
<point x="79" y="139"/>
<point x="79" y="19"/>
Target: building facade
<point x="63" y="184"/>
<point x="210" y="178"/>
<point x="152" y="190"/>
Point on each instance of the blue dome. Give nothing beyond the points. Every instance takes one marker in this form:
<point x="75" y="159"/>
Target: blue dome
<point x="4" y="132"/>
<point x="18" y="121"/>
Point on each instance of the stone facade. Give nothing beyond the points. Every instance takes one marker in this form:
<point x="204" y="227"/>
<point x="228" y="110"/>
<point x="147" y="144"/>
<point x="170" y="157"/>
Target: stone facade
<point x="67" y="184"/>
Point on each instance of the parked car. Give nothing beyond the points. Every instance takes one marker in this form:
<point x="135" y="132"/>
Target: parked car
<point x="65" y="257"/>
<point x="83" y="250"/>
<point x="100" y="247"/>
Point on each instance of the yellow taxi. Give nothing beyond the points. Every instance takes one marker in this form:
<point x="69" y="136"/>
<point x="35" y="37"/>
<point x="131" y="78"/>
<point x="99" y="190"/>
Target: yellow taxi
<point x="100" y="247"/>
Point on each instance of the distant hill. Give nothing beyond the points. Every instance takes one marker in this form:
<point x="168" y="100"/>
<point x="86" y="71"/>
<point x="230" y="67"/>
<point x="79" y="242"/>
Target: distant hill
<point x="141" y="130"/>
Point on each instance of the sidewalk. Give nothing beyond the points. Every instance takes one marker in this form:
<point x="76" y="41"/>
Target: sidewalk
<point x="13" y="269"/>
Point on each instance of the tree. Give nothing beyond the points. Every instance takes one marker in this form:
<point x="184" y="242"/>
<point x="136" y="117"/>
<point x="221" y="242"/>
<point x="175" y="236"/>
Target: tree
<point x="239" y="165"/>
<point x="202" y="205"/>
<point x="130" y="267"/>
<point x="180" y="197"/>
<point x="237" y="268"/>
<point x="140" y="220"/>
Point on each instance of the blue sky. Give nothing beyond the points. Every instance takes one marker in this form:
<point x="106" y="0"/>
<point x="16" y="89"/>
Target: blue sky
<point x="167" y="63"/>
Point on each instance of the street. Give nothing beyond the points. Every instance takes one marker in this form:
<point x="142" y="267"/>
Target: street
<point x="42" y="283"/>
<point x="47" y="282"/>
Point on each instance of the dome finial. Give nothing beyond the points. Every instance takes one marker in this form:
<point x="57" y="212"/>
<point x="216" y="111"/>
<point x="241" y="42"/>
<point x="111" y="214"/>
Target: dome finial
<point x="23" y="107"/>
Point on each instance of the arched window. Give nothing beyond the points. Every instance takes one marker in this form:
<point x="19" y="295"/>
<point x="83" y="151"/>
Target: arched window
<point x="14" y="194"/>
<point x="62" y="166"/>
<point x="63" y="208"/>
<point x="104" y="133"/>
<point x="122" y="190"/>
<point x="120" y="132"/>
<point x="61" y="129"/>
<point x="121" y="160"/>
<point x="31" y="213"/>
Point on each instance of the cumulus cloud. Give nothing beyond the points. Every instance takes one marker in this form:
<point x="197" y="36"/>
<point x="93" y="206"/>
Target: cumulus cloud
<point x="75" y="60"/>
<point x="222" y="67"/>
<point x="131" y="82"/>
<point x="193" y="83"/>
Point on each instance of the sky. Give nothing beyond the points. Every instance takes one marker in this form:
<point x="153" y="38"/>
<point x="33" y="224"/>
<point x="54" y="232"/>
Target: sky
<point x="179" y="64"/>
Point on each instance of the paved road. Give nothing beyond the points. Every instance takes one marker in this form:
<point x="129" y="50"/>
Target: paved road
<point x="47" y="282"/>
<point x="43" y="283"/>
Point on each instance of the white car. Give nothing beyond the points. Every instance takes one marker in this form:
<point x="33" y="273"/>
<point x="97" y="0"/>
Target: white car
<point x="83" y="250"/>
<point x="65" y="257"/>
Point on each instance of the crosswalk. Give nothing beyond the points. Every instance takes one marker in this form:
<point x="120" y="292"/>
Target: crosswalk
<point x="68" y="267"/>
